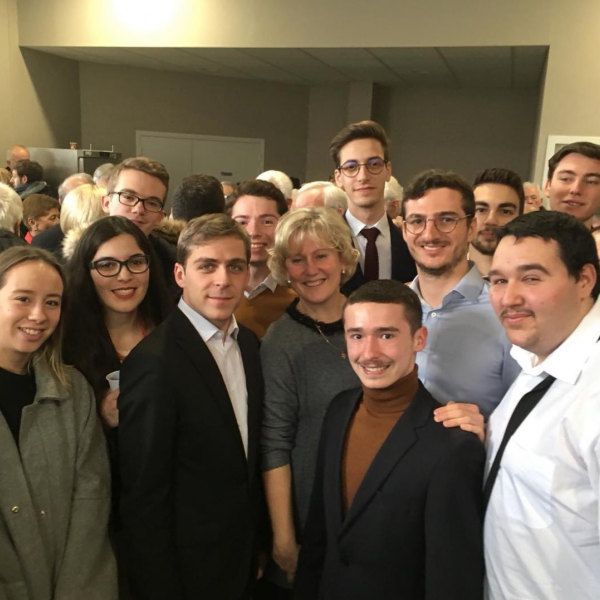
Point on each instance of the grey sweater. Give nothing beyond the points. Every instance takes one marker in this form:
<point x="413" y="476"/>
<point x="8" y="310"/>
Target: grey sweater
<point x="303" y="374"/>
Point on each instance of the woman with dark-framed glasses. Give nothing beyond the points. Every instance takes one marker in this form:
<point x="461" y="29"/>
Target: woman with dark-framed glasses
<point x="119" y="296"/>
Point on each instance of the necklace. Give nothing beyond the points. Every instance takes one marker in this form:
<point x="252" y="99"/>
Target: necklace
<point x="342" y="352"/>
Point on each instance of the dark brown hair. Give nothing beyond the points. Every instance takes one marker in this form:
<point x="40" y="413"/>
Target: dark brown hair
<point x="260" y="188"/>
<point x="503" y="177"/>
<point x="584" y="148"/>
<point x="358" y="131"/>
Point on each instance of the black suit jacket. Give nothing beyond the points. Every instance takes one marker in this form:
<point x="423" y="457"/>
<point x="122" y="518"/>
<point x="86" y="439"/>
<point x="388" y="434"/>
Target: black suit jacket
<point x="414" y="528"/>
<point x="403" y="265"/>
<point x="190" y="500"/>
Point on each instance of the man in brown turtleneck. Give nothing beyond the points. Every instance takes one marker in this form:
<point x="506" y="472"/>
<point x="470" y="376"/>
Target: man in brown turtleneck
<point x="396" y="508"/>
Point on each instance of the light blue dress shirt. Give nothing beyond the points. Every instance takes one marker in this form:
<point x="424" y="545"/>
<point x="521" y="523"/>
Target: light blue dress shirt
<point x="467" y="357"/>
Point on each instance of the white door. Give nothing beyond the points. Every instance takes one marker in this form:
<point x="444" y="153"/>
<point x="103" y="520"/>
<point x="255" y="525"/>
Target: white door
<point x="227" y="159"/>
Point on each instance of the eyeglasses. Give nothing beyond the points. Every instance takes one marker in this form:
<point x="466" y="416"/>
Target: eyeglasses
<point x="373" y="165"/>
<point x="444" y="224"/>
<point x="111" y="267"/>
<point x="149" y="204"/>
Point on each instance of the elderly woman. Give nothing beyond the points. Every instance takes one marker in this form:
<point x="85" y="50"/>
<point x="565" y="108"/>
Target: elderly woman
<point x="305" y="367"/>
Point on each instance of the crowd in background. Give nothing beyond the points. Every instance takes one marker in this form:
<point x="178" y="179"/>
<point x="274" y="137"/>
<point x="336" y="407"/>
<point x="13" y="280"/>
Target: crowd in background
<point x="283" y="390"/>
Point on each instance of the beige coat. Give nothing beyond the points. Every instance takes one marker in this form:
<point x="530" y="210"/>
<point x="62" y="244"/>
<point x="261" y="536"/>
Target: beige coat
<point x="55" y="498"/>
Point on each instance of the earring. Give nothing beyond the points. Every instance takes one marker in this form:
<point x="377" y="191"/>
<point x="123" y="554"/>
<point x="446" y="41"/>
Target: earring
<point x="343" y="271"/>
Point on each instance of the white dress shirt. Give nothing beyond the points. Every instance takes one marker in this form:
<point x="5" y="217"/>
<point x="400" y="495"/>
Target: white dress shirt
<point x="383" y="243"/>
<point x="268" y="284"/>
<point x="226" y="352"/>
<point x="542" y="532"/>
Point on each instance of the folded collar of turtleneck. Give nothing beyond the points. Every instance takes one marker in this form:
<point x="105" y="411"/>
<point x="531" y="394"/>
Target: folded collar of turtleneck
<point x="394" y="398"/>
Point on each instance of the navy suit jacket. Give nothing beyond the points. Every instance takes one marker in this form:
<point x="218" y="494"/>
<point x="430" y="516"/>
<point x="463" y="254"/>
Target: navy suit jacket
<point x="403" y="265"/>
<point x="191" y="501"/>
<point x="414" y="528"/>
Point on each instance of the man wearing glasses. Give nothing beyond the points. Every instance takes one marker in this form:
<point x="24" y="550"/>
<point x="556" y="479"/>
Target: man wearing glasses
<point x="467" y="354"/>
<point x="137" y="190"/>
<point x="360" y="154"/>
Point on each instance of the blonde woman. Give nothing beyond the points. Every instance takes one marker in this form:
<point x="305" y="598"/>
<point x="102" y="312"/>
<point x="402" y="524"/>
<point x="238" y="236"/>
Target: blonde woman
<point x="54" y="474"/>
<point x="305" y="367"/>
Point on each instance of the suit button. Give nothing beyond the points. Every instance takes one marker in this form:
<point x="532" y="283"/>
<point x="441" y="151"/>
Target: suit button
<point x="15" y="509"/>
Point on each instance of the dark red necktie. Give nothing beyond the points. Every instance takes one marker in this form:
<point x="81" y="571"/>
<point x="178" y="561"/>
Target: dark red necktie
<point x="371" y="255"/>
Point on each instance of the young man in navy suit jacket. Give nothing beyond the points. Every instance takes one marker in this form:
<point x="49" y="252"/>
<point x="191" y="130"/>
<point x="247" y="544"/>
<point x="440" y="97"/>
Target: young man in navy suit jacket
<point x="397" y="504"/>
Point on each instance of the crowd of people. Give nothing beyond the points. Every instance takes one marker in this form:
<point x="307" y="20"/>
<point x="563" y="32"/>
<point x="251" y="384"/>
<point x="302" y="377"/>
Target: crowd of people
<point x="342" y="390"/>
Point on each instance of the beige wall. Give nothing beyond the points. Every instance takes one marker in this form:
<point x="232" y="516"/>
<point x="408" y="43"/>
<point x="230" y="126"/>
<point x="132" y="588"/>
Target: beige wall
<point x="463" y="130"/>
<point x="39" y="101"/>
<point x="117" y="101"/>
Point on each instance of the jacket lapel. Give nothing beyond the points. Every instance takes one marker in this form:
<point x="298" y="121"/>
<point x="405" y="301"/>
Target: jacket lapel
<point x="400" y="440"/>
<point x="332" y="476"/>
<point x="197" y="351"/>
<point x="254" y="385"/>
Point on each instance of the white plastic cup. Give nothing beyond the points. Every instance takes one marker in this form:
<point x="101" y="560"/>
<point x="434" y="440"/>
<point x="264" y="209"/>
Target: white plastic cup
<point x="113" y="380"/>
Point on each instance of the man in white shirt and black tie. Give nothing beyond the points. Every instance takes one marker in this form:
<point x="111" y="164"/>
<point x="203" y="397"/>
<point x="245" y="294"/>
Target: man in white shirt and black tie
<point x="543" y="472"/>
<point x="362" y="168"/>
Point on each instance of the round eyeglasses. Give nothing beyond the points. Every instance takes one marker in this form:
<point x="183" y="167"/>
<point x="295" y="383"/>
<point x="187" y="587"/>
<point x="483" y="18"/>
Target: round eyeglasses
<point x="149" y="204"/>
<point x="111" y="267"/>
<point x="443" y="223"/>
<point x="373" y="165"/>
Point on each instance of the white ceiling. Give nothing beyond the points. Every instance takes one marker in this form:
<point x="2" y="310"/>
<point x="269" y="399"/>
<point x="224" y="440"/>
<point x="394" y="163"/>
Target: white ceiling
<point x="516" y="67"/>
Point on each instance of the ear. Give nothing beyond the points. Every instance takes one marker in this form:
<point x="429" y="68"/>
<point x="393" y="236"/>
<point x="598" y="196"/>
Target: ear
<point x="179" y="273"/>
<point x="106" y="204"/>
<point x="587" y="281"/>
<point x="547" y="187"/>
<point x="24" y="179"/>
<point x="30" y="223"/>
<point x="472" y="231"/>
<point x="420" y="339"/>
<point x="388" y="170"/>
<point x="338" y="179"/>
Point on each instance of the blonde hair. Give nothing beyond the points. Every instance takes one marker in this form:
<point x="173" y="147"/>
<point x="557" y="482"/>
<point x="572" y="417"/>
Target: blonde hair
<point x="50" y="350"/>
<point x="4" y="176"/>
<point x="81" y="207"/>
<point x="11" y="207"/>
<point x="323" y="224"/>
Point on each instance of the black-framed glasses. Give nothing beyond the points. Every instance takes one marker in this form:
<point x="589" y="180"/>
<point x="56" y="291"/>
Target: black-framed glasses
<point x="443" y="223"/>
<point x="374" y="165"/>
<point x="111" y="267"/>
<point x="131" y="199"/>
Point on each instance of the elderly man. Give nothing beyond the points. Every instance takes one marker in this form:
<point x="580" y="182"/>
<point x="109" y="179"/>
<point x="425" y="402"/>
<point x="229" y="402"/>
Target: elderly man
<point x="11" y="215"/>
<point x="543" y="471"/>
<point x="14" y="154"/>
<point x="393" y="198"/>
<point x="281" y="181"/>
<point x="321" y="193"/>
<point x="534" y="200"/>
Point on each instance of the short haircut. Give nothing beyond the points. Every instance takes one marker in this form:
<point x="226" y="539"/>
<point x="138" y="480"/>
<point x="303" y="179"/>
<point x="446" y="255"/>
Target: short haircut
<point x="201" y="231"/>
<point x="584" y="148"/>
<point x="435" y="179"/>
<point x="319" y="224"/>
<point x="280" y="180"/>
<point x="102" y="171"/>
<point x="503" y="177"/>
<point x="196" y="196"/>
<point x="81" y="207"/>
<point x="29" y="168"/>
<point x="142" y="164"/>
<point x="11" y="208"/>
<point x="576" y="246"/>
<point x="532" y="184"/>
<point x="393" y="190"/>
<point x="66" y="186"/>
<point x="5" y="176"/>
<point x="38" y="205"/>
<point x="358" y="131"/>
<point x="261" y="189"/>
<point x="50" y="350"/>
<point x="333" y="196"/>
<point x="389" y="291"/>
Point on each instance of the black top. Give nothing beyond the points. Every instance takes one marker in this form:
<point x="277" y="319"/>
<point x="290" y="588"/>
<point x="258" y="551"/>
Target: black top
<point x="16" y="392"/>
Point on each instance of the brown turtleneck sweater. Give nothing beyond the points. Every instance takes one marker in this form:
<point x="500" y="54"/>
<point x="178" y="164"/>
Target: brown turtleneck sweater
<point x="377" y="413"/>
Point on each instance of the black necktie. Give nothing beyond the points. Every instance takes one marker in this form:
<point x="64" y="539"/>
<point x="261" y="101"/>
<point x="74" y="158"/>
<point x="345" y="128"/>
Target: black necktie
<point x="526" y="404"/>
<point x="371" y="255"/>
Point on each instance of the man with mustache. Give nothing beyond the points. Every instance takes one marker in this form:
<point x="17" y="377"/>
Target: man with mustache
<point x="396" y="506"/>
<point x="499" y="198"/>
<point x="543" y="472"/>
<point x="467" y="355"/>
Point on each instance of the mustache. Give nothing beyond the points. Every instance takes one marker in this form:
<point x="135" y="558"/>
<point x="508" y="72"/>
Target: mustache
<point x="507" y="312"/>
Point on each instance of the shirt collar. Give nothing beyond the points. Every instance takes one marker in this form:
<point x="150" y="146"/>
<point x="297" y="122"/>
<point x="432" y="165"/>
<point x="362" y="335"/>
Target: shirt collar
<point x="469" y="287"/>
<point x="269" y="283"/>
<point x="357" y="226"/>
<point x="204" y="327"/>
<point x="568" y="360"/>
